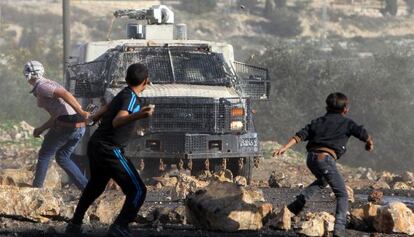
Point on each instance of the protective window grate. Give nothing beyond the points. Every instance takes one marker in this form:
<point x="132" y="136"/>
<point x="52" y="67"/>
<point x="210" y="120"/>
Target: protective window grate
<point x="190" y="115"/>
<point x="196" y="143"/>
<point x="253" y="81"/>
<point x="179" y="116"/>
<point x="86" y="80"/>
<point x="169" y="65"/>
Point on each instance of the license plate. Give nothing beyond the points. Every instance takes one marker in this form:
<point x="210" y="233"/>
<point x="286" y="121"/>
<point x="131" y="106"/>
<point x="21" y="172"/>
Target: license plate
<point x="250" y="142"/>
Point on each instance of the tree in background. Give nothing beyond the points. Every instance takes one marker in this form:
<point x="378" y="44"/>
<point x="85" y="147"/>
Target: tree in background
<point x="37" y="42"/>
<point x="391" y="7"/>
<point x="282" y="21"/>
<point x="281" y="3"/>
<point x="272" y="5"/>
<point x="410" y="6"/>
<point x="379" y="87"/>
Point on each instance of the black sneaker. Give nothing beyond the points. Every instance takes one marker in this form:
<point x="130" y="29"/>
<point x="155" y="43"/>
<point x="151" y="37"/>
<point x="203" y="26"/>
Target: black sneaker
<point x="116" y="230"/>
<point x="73" y="229"/>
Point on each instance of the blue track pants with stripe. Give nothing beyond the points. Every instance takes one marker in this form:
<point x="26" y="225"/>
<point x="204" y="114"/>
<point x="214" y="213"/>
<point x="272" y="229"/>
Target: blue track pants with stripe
<point x="108" y="162"/>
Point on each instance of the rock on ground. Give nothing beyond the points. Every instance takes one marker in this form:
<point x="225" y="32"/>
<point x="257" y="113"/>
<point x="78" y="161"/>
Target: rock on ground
<point x="224" y="206"/>
<point x="282" y="220"/>
<point x="402" y="186"/>
<point x="350" y="192"/>
<point x="24" y="177"/>
<point x="380" y="185"/>
<point x="107" y="207"/>
<point x="6" y="180"/>
<point x="363" y="218"/>
<point x="166" y="215"/>
<point x="223" y="176"/>
<point x="185" y="185"/>
<point x="369" y="174"/>
<point x="375" y="197"/>
<point x="275" y="180"/>
<point x="317" y="224"/>
<point x="387" y="177"/>
<point x="407" y="176"/>
<point x="395" y="217"/>
<point x="29" y="203"/>
<point x="166" y="181"/>
<point x="240" y="180"/>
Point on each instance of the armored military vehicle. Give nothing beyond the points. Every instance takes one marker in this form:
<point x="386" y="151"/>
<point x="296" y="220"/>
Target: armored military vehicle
<point x="203" y="119"/>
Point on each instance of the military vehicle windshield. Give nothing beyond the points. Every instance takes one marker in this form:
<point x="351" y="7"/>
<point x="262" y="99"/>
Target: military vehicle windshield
<point x="167" y="65"/>
<point x="173" y="65"/>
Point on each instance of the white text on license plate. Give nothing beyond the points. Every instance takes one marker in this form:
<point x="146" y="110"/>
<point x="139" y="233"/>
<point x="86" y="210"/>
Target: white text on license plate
<point x="248" y="142"/>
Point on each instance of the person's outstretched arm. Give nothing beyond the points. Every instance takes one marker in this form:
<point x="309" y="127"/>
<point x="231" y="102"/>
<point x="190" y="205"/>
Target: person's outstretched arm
<point x="98" y="115"/>
<point x="123" y="117"/>
<point x="302" y="135"/>
<point x="284" y="148"/>
<point x="71" y="100"/>
<point x="361" y="133"/>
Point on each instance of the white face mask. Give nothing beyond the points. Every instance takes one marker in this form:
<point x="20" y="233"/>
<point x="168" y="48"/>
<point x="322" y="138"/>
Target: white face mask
<point x="33" y="69"/>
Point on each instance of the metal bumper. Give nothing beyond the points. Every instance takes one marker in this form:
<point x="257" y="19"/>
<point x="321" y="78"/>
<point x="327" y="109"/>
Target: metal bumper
<point x="194" y="146"/>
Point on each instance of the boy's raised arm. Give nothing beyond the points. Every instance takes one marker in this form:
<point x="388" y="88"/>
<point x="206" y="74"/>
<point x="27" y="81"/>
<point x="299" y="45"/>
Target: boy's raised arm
<point x="358" y="131"/>
<point x="302" y="135"/>
<point x="284" y="148"/>
<point x="361" y="133"/>
<point x="123" y="117"/>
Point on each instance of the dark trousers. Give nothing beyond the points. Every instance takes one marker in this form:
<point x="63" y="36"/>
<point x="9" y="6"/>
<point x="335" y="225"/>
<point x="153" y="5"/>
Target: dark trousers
<point x="324" y="168"/>
<point x="107" y="163"/>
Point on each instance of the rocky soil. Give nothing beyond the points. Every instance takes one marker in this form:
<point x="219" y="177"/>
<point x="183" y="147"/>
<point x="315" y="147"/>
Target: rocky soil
<point x="181" y="205"/>
<point x="169" y="209"/>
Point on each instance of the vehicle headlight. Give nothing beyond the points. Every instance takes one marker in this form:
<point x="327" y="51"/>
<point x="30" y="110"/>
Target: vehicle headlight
<point x="236" y="126"/>
<point x="237" y="112"/>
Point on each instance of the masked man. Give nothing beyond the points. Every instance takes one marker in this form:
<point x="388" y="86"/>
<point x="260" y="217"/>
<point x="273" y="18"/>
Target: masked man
<point x="66" y="125"/>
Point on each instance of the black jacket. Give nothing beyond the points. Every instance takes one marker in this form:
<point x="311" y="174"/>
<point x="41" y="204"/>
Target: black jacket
<point x="106" y="134"/>
<point x="331" y="131"/>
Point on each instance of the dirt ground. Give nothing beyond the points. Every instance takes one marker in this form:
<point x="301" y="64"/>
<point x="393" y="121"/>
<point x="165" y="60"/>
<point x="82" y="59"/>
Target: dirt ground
<point x="277" y="196"/>
<point x="290" y="170"/>
<point x="160" y="198"/>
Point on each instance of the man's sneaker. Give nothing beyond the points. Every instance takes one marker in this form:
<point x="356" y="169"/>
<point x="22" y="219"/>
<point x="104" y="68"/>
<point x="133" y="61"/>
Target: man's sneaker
<point x="339" y="233"/>
<point x="73" y="229"/>
<point x="116" y="230"/>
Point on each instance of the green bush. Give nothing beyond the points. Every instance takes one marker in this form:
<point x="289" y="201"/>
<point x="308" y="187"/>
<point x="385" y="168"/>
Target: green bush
<point x="284" y="23"/>
<point x="379" y="87"/>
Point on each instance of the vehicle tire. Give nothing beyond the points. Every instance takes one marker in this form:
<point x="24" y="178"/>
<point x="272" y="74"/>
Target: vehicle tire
<point x="198" y="167"/>
<point x="247" y="170"/>
<point x="151" y="168"/>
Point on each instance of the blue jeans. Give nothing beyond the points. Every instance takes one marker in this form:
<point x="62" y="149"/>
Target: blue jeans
<point x="61" y="141"/>
<point x="326" y="173"/>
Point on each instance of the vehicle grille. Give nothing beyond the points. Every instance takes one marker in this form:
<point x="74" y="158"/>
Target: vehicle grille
<point x="189" y="115"/>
